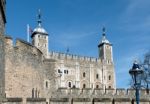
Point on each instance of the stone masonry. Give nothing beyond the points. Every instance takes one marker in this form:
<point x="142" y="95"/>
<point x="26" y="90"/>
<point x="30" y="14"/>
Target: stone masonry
<point x="31" y="74"/>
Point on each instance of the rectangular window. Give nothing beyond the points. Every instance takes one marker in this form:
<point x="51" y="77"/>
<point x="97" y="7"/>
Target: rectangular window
<point x="59" y="71"/>
<point x="46" y="84"/>
<point x="97" y="76"/>
<point x="83" y="74"/>
<point x="109" y="77"/>
<point x="66" y="71"/>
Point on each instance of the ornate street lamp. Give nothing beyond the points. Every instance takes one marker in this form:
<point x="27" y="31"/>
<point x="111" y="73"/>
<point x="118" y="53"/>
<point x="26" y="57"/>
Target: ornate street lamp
<point x="136" y="73"/>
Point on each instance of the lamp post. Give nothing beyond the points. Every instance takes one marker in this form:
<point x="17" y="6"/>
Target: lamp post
<point x="136" y="73"/>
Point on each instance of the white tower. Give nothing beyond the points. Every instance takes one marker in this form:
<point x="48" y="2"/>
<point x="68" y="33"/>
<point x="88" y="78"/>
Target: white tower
<point x="40" y="37"/>
<point x="106" y="55"/>
<point x="105" y="48"/>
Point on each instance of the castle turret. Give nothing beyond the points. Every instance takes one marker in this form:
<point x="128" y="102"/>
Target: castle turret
<point x="40" y="37"/>
<point x="106" y="55"/>
<point x="105" y="48"/>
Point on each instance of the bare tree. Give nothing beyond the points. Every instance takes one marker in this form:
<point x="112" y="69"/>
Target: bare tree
<point x="146" y="68"/>
<point x="145" y="79"/>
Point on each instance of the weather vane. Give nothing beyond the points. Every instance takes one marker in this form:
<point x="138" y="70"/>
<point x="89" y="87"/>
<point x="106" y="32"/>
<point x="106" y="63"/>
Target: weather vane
<point x="39" y="17"/>
<point x="103" y="29"/>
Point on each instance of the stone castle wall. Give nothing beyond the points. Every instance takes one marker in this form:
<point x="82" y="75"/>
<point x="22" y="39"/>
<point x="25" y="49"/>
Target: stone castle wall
<point x="2" y="66"/>
<point x="23" y="69"/>
<point x="87" y="96"/>
<point x="2" y="17"/>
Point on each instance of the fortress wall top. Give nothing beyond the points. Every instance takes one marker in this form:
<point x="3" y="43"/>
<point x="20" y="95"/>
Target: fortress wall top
<point x="98" y="91"/>
<point x="27" y="47"/>
<point x="22" y="45"/>
<point x="57" y="55"/>
<point x="8" y="40"/>
<point x="75" y="100"/>
<point x="88" y="91"/>
<point x="131" y="92"/>
<point x="120" y="91"/>
<point x="144" y="91"/>
<point x="110" y="91"/>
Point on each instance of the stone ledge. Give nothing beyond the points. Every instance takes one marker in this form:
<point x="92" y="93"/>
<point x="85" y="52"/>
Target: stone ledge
<point x="144" y="100"/>
<point x="102" y="99"/>
<point x="13" y="99"/>
<point x="59" y="99"/>
<point x="122" y="99"/>
<point x="81" y="100"/>
<point x="36" y="99"/>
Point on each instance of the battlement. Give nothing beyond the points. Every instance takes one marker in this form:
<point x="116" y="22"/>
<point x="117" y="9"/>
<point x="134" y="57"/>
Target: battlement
<point x="100" y="92"/>
<point x="22" y="45"/>
<point x="58" y="55"/>
<point x="94" y="96"/>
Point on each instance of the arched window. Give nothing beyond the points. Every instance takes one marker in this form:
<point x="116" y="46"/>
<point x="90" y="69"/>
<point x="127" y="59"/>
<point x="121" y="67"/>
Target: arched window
<point x="84" y="85"/>
<point x="46" y="84"/>
<point x="109" y="77"/>
<point x="97" y="86"/>
<point x="83" y="74"/>
<point x="69" y="84"/>
<point x="97" y="76"/>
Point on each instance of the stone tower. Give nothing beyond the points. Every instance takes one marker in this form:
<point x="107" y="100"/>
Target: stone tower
<point x="105" y="48"/>
<point x="2" y="48"/>
<point x="2" y="16"/>
<point x="106" y="55"/>
<point x="40" y="37"/>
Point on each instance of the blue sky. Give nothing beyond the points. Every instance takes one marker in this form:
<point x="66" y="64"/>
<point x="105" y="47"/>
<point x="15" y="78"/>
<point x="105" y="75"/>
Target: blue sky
<point x="77" y="24"/>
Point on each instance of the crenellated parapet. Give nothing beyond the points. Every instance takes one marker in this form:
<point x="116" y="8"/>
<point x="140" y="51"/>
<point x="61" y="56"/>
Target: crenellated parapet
<point x="23" y="46"/>
<point x="88" y="96"/>
<point x="66" y="56"/>
<point x="87" y="92"/>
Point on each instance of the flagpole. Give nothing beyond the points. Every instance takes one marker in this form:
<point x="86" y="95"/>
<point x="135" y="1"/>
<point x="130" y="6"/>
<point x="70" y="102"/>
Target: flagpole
<point x="28" y="33"/>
